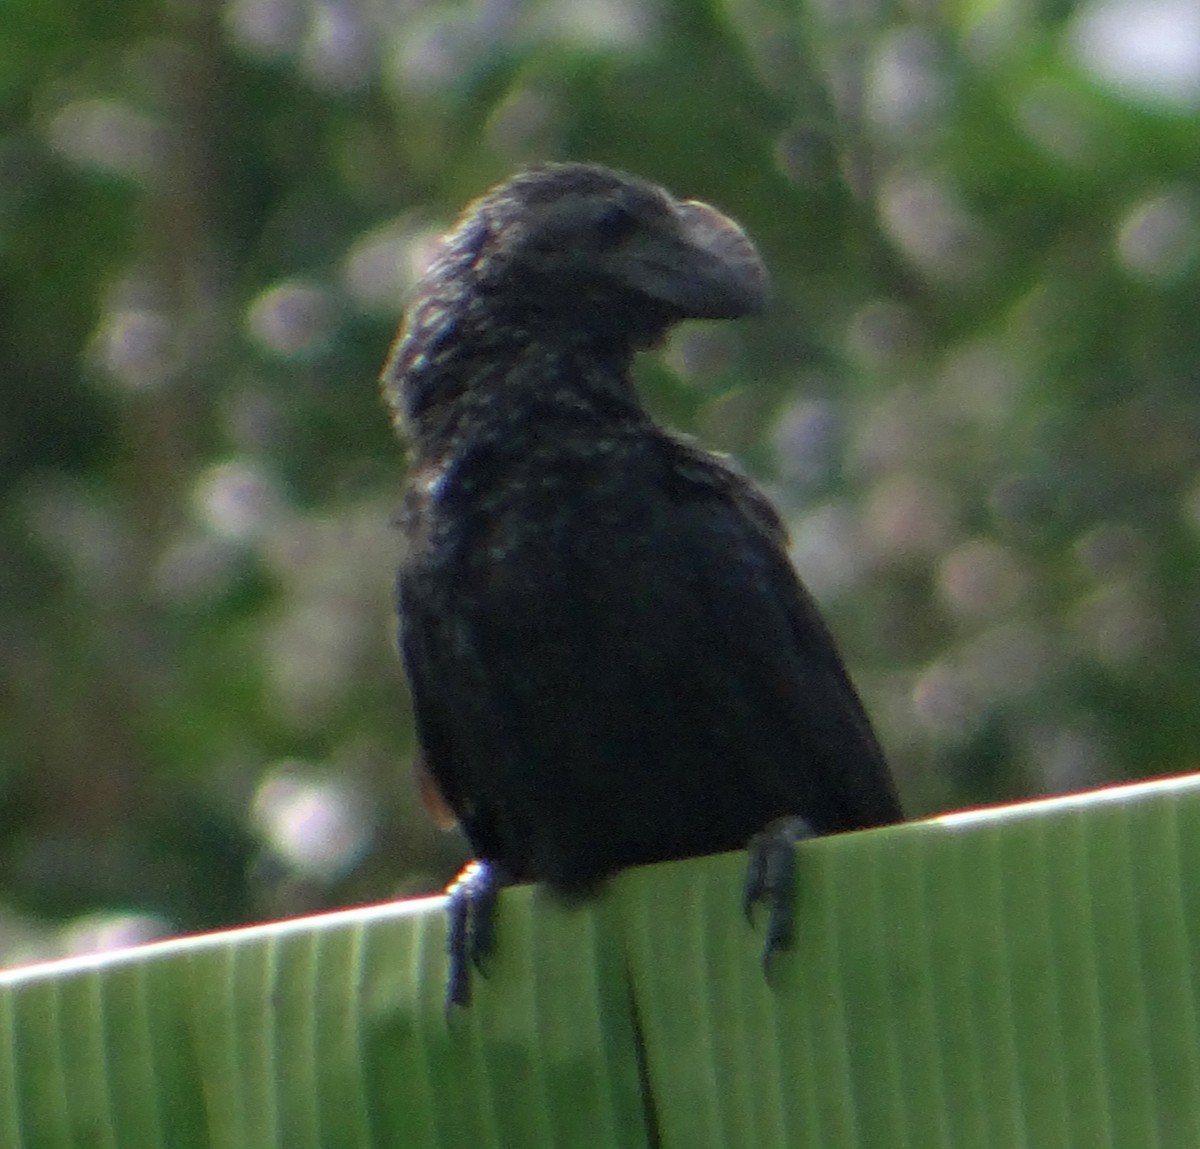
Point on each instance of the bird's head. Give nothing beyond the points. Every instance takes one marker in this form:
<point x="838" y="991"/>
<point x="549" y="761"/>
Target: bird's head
<point x="581" y="245"/>
<point x="570" y="255"/>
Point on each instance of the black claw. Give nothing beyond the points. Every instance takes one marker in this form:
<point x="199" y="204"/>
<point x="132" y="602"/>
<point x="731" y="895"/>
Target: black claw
<point x="483" y="918"/>
<point x="754" y="883"/>
<point x="781" y="918"/>
<point x="770" y="878"/>
<point x="471" y="927"/>
<point x="458" y="980"/>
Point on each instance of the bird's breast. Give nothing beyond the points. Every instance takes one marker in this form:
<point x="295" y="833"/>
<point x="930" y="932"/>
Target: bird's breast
<point x="499" y="534"/>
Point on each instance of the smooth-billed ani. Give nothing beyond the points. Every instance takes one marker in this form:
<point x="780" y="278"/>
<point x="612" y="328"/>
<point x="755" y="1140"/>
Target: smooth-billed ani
<point x="611" y="658"/>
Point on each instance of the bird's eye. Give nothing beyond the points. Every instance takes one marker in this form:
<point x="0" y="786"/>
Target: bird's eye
<point x="614" y="223"/>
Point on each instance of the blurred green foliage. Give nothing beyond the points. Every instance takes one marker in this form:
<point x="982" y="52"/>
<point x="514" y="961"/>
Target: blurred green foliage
<point x="977" y="396"/>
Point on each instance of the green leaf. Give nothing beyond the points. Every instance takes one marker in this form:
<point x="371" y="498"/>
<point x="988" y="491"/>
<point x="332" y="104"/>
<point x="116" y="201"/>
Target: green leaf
<point x="1016" y="977"/>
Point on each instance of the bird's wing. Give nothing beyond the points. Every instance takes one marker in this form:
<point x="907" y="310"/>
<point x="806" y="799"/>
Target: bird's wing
<point x="777" y="645"/>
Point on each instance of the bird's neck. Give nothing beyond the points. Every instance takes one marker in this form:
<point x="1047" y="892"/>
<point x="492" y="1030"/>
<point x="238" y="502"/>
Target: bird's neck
<point x="455" y="381"/>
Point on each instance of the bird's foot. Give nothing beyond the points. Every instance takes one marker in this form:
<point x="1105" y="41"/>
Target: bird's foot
<point x="471" y="910"/>
<point x="770" y="878"/>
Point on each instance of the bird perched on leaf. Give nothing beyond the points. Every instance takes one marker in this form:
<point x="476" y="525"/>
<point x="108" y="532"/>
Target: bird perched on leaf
<point x="612" y="661"/>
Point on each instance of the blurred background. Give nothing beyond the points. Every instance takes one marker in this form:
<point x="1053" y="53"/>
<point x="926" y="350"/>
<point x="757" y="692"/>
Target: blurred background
<point x="977" y="396"/>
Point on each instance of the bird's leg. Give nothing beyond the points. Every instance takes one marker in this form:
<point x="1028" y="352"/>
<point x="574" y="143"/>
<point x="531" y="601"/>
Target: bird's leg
<point x="770" y="878"/>
<point x="471" y="910"/>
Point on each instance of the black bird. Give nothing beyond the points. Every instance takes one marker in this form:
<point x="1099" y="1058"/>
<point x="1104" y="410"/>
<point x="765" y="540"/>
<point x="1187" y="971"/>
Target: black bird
<point x="611" y="658"/>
